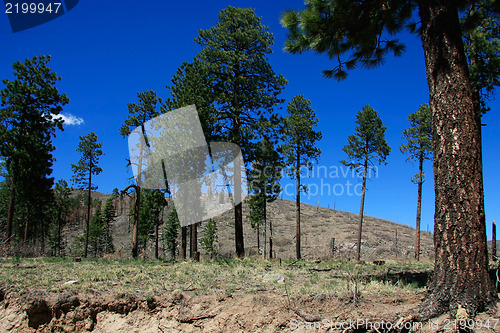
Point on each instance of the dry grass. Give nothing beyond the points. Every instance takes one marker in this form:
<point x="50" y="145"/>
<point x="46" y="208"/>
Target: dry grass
<point x="223" y="276"/>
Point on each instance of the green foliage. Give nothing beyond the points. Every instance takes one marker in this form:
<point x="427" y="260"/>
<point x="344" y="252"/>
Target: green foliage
<point x="28" y="120"/>
<point x="481" y="34"/>
<point x="171" y="232"/>
<point x="210" y="240"/>
<point x="108" y="218"/>
<point x="62" y="207"/>
<point x="90" y="151"/>
<point x="300" y="139"/>
<point x="368" y="144"/>
<point x="419" y="136"/>
<point x="100" y="234"/>
<point x="360" y="31"/>
<point x="243" y="85"/>
<point x="264" y="181"/>
<point x="150" y="213"/>
<point x="145" y="109"/>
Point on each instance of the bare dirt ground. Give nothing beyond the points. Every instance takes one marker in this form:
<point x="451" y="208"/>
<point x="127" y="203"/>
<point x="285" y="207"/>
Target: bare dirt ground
<point x="229" y="296"/>
<point x="37" y="311"/>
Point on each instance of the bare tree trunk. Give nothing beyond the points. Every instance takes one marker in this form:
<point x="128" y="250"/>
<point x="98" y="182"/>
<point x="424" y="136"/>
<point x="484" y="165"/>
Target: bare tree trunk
<point x="419" y="207"/>
<point x="270" y="240"/>
<point x="182" y="252"/>
<point x="461" y="261"/>
<point x="361" y="210"/>
<point x="11" y="209"/>
<point x="89" y="203"/>
<point x="157" y="226"/>
<point x="135" y="231"/>
<point x="193" y="244"/>
<point x="297" y="208"/>
<point x="494" y="242"/>
<point x="238" y="211"/>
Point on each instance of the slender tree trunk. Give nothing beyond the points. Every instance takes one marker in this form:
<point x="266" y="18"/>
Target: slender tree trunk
<point x="265" y="216"/>
<point x="135" y="231"/>
<point x="461" y="261"/>
<point x="193" y="244"/>
<point x="361" y="210"/>
<point x="419" y="206"/>
<point x="157" y="238"/>
<point x="270" y="240"/>
<point x="265" y="239"/>
<point x="89" y="203"/>
<point x="11" y="209"/>
<point x="297" y="208"/>
<point x="258" y="240"/>
<point x="494" y="242"/>
<point x="238" y="211"/>
<point x="183" y="248"/>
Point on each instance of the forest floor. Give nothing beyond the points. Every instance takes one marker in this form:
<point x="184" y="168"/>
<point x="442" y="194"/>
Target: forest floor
<point x="230" y="295"/>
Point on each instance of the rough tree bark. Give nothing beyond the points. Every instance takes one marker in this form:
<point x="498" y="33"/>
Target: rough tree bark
<point x="461" y="263"/>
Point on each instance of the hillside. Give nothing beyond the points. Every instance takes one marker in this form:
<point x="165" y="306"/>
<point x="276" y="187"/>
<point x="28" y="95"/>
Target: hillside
<point x="382" y="239"/>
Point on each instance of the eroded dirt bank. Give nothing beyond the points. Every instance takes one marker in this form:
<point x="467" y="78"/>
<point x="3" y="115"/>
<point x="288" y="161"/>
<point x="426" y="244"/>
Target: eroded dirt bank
<point x="40" y="311"/>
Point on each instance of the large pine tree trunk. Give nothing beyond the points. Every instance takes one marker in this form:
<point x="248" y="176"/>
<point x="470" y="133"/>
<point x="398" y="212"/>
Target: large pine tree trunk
<point x="297" y="209"/>
<point x="361" y="210"/>
<point x="419" y="206"/>
<point x="461" y="263"/>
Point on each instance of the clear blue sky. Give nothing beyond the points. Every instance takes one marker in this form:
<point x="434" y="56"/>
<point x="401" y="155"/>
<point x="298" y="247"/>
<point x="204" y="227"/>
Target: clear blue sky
<point x="107" y="51"/>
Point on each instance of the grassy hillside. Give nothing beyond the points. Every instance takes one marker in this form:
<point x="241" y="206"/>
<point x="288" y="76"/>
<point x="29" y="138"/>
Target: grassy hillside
<point x="382" y="239"/>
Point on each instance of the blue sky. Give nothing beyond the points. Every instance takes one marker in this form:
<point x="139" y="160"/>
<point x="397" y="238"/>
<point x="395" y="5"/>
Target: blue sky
<point x="107" y="51"/>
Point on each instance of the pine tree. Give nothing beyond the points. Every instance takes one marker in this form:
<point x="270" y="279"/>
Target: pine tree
<point x="90" y="151"/>
<point x="243" y="84"/>
<point x="210" y="239"/>
<point x="366" y="147"/>
<point x="144" y="110"/>
<point x="108" y="218"/>
<point x="264" y="182"/>
<point x="299" y="148"/>
<point x="364" y="31"/>
<point x="63" y="204"/>
<point x="28" y="121"/>
<point x="419" y="147"/>
<point x="171" y="231"/>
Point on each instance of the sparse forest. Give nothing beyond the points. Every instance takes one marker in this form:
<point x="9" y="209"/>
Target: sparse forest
<point x="266" y="242"/>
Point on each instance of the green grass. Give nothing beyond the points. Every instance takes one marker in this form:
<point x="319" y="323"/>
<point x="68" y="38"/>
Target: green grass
<point x="225" y="276"/>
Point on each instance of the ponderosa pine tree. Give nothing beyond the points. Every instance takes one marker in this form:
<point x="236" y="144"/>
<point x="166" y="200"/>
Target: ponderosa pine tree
<point x="90" y="151"/>
<point x="299" y="149"/>
<point x="63" y="204"/>
<point x="244" y="87"/>
<point x="264" y="182"/>
<point x="191" y="85"/>
<point x="363" y="31"/>
<point x="419" y="147"/>
<point x="28" y="120"/>
<point x="171" y="231"/>
<point x="139" y="113"/>
<point x="366" y="147"/>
